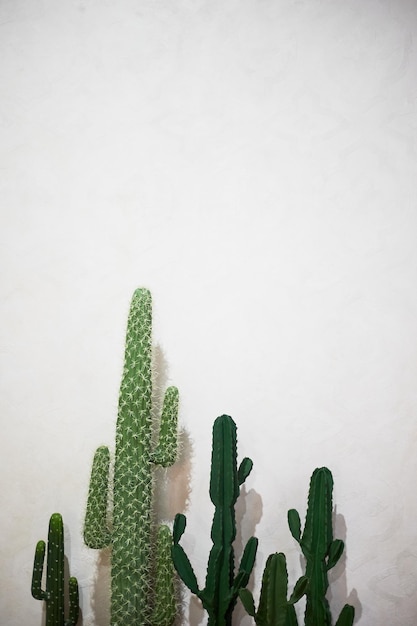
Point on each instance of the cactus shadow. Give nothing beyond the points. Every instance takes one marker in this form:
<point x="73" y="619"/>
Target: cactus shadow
<point x="338" y="589"/>
<point x="172" y="496"/>
<point x="249" y="510"/>
<point x="67" y="575"/>
<point x="160" y="380"/>
<point x="100" y="598"/>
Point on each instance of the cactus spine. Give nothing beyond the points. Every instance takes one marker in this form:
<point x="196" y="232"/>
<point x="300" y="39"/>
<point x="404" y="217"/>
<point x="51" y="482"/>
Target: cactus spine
<point x="54" y="595"/>
<point x="321" y="551"/>
<point x="222" y="586"/>
<point x="140" y="595"/>
<point x="274" y="609"/>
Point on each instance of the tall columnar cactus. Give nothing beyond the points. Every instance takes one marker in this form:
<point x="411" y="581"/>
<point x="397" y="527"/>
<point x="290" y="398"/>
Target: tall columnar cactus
<point x="274" y="609"/>
<point x="54" y="595"/>
<point x="142" y="577"/>
<point x="321" y="551"/>
<point x="222" y="586"/>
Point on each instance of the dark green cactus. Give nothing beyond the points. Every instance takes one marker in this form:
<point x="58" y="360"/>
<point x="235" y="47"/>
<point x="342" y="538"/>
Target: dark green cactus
<point x="222" y="586"/>
<point x="54" y="595"/>
<point x="321" y="551"/>
<point x="274" y="609"/>
<point x="142" y="576"/>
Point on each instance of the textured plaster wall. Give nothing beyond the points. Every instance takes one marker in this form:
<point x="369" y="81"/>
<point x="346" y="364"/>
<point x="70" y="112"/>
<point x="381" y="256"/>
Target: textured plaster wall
<point x="253" y="163"/>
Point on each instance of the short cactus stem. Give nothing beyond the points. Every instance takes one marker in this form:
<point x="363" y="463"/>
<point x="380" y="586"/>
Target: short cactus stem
<point x="53" y="595"/>
<point x="274" y="608"/>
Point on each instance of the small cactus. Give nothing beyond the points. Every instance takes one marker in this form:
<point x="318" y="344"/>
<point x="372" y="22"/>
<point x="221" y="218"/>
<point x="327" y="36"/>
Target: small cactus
<point x="274" y="609"/>
<point x="142" y="575"/>
<point x="222" y="586"/>
<point x="54" y="595"/>
<point x="321" y="551"/>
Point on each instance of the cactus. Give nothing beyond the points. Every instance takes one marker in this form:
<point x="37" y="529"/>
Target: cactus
<point x="321" y="551"/>
<point x="140" y="595"/>
<point x="222" y="586"/>
<point x="54" y="595"/>
<point x="274" y="609"/>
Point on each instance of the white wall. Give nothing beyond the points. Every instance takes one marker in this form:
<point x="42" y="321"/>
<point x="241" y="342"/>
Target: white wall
<point x="253" y="163"/>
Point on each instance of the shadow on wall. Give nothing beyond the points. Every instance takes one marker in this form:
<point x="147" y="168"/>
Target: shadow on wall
<point x="100" y="599"/>
<point x="249" y="509"/>
<point x="338" y="589"/>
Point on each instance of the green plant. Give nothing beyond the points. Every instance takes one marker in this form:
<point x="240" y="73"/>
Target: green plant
<point x="222" y="586"/>
<point x="320" y="550"/>
<point x="274" y="609"/>
<point x="54" y="594"/>
<point x="142" y="576"/>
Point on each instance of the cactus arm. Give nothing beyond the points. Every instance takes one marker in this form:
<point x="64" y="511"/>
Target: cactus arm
<point x="300" y="589"/>
<point x="180" y="559"/>
<point x="335" y="552"/>
<point x="294" y="523"/>
<point x="346" y="617"/>
<point x="248" y="602"/>
<point x="244" y="470"/>
<point x="37" y="591"/>
<point x="96" y="532"/>
<point x="165" y="606"/>
<point x="166" y="452"/>
<point x="74" y="609"/>
<point x="246" y="565"/>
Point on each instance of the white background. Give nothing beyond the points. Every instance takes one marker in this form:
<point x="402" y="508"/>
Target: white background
<point x="254" y="163"/>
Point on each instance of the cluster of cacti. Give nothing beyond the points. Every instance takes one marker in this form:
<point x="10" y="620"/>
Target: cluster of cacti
<point x="274" y="608"/>
<point x="120" y="514"/>
<point x="222" y="585"/>
<point x="142" y="583"/>
<point x="320" y="550"/>
<point x="54" y="594"/>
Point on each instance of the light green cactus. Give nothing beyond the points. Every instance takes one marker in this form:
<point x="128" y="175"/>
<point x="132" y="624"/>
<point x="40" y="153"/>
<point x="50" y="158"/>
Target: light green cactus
<point x="321" y="551"/>
<point x="53" y="594"/>
<point x="274" y="609"/>
<point x="142" y="576"/>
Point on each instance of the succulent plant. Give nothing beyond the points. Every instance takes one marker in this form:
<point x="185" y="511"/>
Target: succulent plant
<point x="54" y="595"/>
<point x="222" y="585"/>
<point x="274" y="608"/>
<point x="320" y="550"/>
<point x="142" y="575"/>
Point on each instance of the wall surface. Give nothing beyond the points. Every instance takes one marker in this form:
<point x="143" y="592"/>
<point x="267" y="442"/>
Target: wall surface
<point x="254" y="163"/>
